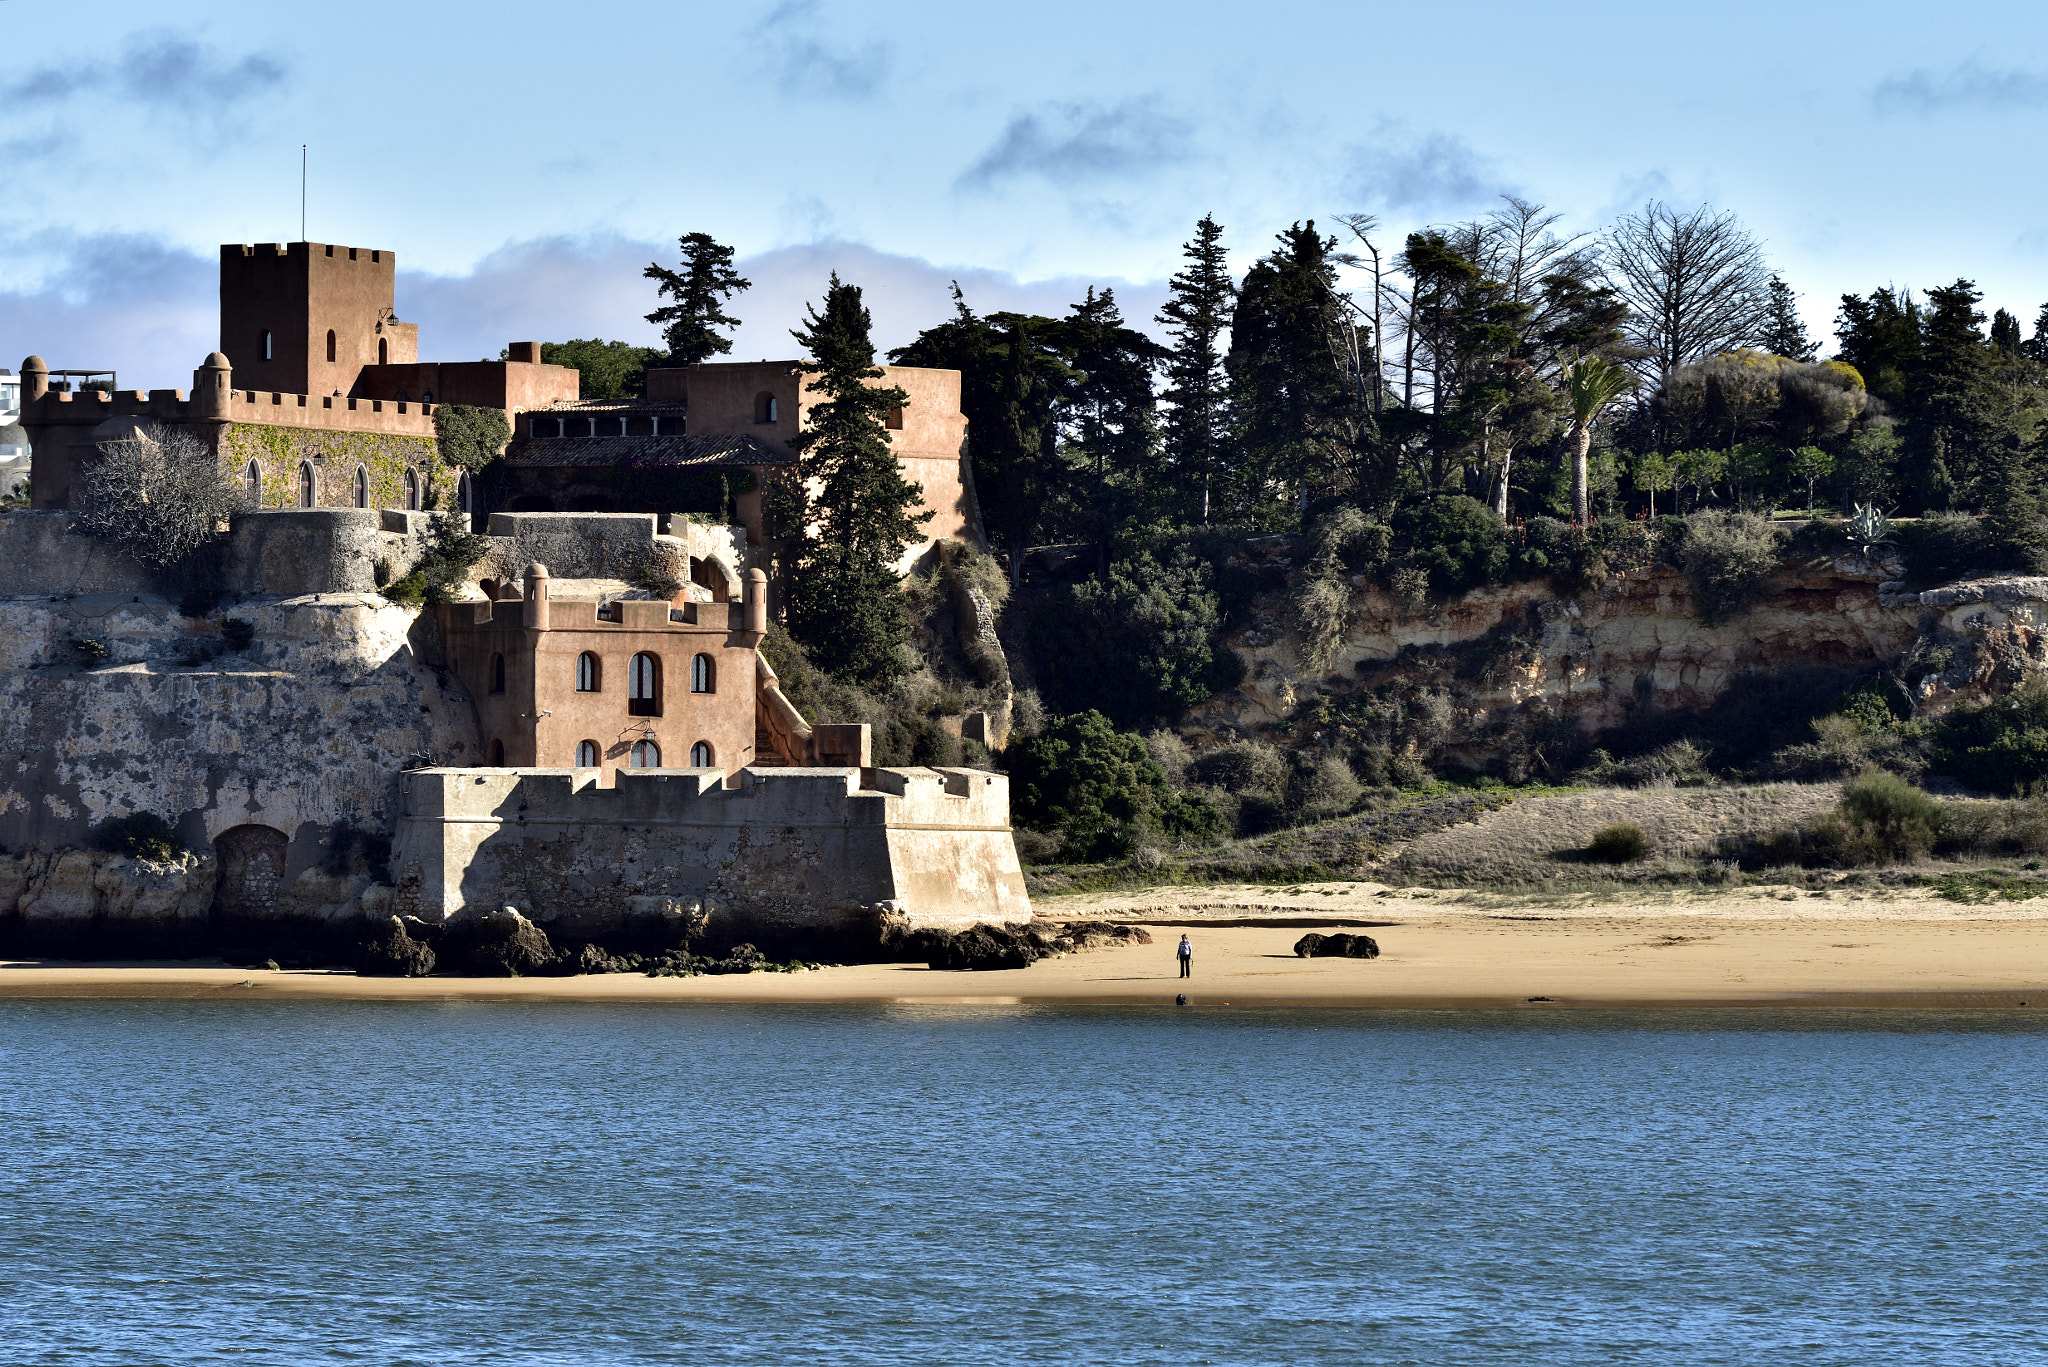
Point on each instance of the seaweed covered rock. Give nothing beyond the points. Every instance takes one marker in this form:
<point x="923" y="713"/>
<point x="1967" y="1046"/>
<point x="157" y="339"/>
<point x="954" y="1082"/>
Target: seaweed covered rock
<point x="393" y="953"/>
<point x="503" y="944"/>
<point x="1097" y="935"/>
<point x="1341" y="946"/>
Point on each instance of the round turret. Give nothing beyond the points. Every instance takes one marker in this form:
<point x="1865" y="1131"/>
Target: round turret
<point x="210" y="387"/>
<point x="536" y="571"/>
<point x="35" y="379"/>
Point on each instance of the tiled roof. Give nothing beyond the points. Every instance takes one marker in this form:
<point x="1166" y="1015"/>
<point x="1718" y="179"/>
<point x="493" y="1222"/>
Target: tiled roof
<point x="560" y="452"/>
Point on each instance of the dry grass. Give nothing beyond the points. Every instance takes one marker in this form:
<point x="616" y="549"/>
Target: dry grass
<point x="1540" y="839"/>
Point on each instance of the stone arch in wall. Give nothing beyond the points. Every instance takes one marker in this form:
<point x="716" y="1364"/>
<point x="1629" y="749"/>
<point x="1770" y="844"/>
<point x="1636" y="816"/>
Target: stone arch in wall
<point x="251" y="871"/>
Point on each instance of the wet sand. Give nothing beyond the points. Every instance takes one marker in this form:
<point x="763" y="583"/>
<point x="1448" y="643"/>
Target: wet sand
<point x="1744" y="948"/>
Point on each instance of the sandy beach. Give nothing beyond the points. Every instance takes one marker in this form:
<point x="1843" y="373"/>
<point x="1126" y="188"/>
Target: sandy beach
<point x="1756" y="947"/>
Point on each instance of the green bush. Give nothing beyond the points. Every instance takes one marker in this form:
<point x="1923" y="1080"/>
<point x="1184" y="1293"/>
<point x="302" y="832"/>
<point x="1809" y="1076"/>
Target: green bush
<point x="1137" y="646"/>
<point x="1882" y="820"/>
<point x="470" y="438"/>
<point x="1099" y="790"/>
<point x="2000" y="746"/>
<point x="1941" y="547"/>
<point x="451" y="550"/>
<point x="1456" y="540"/>
<point x="1621" y="843"/>
<point x="1728" y="558"/>
<point x="1344" y="537"/>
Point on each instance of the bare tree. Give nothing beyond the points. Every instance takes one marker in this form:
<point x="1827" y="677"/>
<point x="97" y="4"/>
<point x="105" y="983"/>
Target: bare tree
<point x="1695" y="284"/>
<point x="158" y="496"/>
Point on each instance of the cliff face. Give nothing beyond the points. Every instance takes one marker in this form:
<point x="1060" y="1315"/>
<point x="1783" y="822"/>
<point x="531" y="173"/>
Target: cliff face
<point x="1636" y="646"/>
<point x="304" y="729"/>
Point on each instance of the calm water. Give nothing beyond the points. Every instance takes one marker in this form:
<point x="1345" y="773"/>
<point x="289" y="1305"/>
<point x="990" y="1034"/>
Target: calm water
<point x="367" y="1183"/>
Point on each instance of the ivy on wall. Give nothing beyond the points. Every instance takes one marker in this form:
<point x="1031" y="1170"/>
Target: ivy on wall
<point x="278" y="451"/>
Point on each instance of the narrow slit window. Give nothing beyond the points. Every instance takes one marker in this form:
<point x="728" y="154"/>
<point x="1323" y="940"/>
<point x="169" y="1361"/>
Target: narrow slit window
<point x="362" y="487"/>
<point x="308" y="487"/>
<point x="263" y="341"/>
<point x="497" y="754"/>
<point x="330" y="344"/>
<point x="497" y="673"/>
<point x="253" y="478"/>
<point x="412" y="491"/>
<point x="383" y="351"/>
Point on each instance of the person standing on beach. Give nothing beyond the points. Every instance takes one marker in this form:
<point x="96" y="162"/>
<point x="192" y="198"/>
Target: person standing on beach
<point x="1187" y="957"/>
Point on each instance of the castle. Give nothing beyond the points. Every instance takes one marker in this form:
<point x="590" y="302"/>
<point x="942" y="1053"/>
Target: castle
<point x="562" y="738"/>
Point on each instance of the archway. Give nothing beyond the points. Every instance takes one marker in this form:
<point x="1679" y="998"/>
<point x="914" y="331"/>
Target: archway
<point x="251" y="871"/>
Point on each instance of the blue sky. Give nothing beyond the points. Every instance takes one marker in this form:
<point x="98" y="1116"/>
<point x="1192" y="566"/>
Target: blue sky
<point x="524" y="160"/>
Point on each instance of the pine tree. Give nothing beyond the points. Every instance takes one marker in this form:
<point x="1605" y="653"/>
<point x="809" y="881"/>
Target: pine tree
<point x="1291" y="392"/>
<point x="700" y="290"/>
<point x="851" y="516"/>
<point x="2005" y="332"/>
<point x="1880" y="337"/>
<point x="1199" y="306"/>
<point x="1950" y="407"/>
<point x="1784" y="334"/>
<point x="2036" y="347"/>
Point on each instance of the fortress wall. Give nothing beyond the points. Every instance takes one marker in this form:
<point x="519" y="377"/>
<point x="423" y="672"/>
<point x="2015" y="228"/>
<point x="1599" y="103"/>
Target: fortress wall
<point x="790" y="856"/>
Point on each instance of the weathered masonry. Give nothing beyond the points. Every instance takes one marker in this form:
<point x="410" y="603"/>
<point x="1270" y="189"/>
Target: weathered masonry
<point x="786" y="857"/>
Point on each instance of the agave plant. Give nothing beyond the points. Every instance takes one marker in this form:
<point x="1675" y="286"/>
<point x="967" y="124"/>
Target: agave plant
<point x="1867" y="527"/>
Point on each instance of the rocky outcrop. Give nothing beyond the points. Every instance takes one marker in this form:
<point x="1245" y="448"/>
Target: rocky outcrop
<point x="1341" y="946"/>
<point x="1978" y="638"/>
<point x="983" y="948"/>
<point x="1595" y="658"/>
<point x="500" y="944"/>
<point x="393" y="953"/>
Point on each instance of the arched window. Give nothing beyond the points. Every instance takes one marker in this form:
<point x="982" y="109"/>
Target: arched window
<point x="253" y="478"/>
<point x="587" y="755"/>
<point x="412" y="491"/>
<point x="362" y="487"/>
<point x="308" y="488"/>
<point x="383" y="351"/>
<point x="497" y="754"/>
<point x="703" y="675"/>
<point x="764" y="408"/>
<point x="646" y="755"/>
<point x="330" y="344"/>
<point x="497" y="673"/>
<point x="586" y="673"/>
<point x="643" y="686"/>
<point x="700" y="755"/>
<point x="264" y="342"/>
<point x="462" y="493"/>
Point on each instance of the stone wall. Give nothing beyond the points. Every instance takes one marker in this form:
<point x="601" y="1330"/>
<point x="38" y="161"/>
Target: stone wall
<point x="790" y="857"/>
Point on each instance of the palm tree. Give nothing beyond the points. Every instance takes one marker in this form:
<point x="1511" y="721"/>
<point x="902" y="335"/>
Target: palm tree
<point x="1591" y="383"/>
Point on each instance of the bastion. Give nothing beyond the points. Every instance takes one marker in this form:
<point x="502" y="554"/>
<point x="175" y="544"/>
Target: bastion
<point x="782" y="858"/>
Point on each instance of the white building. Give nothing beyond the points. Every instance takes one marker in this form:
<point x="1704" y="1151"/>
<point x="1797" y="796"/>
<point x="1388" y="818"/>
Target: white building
<point x="14" y="460"/>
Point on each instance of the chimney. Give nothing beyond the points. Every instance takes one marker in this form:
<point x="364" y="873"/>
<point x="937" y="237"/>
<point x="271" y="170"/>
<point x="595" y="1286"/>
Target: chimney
<point x="527" y="353"/>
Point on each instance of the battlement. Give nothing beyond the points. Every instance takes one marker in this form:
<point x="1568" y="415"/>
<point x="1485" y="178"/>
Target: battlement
<point x="327" y="251"/>
<point x="785" y="854"/>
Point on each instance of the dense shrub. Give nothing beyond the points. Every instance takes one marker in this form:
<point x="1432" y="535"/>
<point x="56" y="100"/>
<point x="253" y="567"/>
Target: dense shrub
<point x="451" y="550"/>
<point x="2000" y="746"/>
<point x="1940" y="547"/>
<point x="1621" y="843"/>
<point x="1576" y="558"/>
<point x="1136" y="646"/>
<point x="1346" y="538"/>
<point x="470" y="438"/>
<point x="1882" y="820"/>
<point x="139" y="835"/>
<point x="1995" y="828"/>
<point x="1099" y="790"/>
<point x="1456" y="540"/>
<point x="1322" y="788"/>
<point x="1728" y="559"/>
<point x="159" y="498"/>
